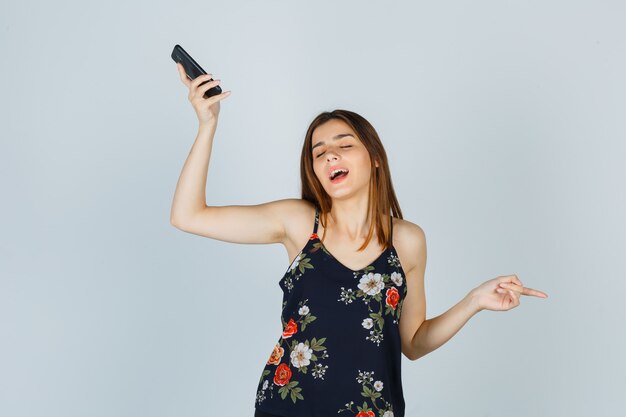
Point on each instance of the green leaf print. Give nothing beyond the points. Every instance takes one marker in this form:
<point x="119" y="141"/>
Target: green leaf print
<point x="304" y="264"/>
<point x="307" y="319"/>
<point x="365" y="408"/>
<point x="317" y="246"/>
<point x="399" y="309"/>
<point x="293" y="396"/>
<point x="371" y="391"/>
<point x="383" y="286"/>
<point x="265" y="373"/>
<point x="317" y="345"/>
<point x="296" y="270"/>
<point x="292" y="390"/>
<point x="301" y="317"/>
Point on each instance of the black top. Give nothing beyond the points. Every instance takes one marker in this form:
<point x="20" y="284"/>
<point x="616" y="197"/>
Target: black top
<point x="339" y="352"/>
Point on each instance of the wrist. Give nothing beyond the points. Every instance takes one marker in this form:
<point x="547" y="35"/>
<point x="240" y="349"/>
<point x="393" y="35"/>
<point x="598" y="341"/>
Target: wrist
<point x="473" y="301"/>
<point x="208" y="125"/>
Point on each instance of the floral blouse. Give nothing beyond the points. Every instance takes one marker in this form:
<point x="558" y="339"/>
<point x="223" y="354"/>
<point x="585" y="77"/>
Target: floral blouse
<point x="339" y="352"/>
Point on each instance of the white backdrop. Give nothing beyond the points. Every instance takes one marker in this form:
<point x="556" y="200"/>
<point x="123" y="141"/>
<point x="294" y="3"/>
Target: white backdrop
<point x="504" y="126"/>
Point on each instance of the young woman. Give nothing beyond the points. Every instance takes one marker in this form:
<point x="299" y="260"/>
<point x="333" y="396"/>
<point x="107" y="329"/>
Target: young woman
<point x="354" y="297"/>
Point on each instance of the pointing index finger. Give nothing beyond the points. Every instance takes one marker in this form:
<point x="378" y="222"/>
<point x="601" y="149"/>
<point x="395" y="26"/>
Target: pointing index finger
<point x="523" y="290"/>
<point x="536" y="293"/>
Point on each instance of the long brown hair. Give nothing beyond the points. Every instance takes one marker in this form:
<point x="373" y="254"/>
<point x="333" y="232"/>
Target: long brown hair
<point x="382" y="197"/>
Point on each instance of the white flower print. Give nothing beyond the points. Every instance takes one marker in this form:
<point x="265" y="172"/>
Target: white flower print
<point x="296" y="261"/>
<point x="292" y="359"/>
<point x="365" y="377"/>
<point x="393" y="260"/>
<point x="382" y="288"/>
<point x="301" y="355"/>
<point x="372" y="408"/>
<point x="396" y="277"/>
<point x="373" y="392"/>
<point x="376" y="336"/>
<point x="319" y="370"/>
<point x="347" y="296"/>
<point x="371" y="283"/>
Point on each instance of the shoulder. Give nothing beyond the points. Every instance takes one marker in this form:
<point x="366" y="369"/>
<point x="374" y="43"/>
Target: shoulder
<point x="409" y="240"/>
<point x="297" y="216"/>
<point x="297" y="208"/>
<point x="294" y="206"/>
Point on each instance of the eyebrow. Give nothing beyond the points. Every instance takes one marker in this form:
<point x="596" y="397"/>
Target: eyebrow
<point x="339" y="136"/>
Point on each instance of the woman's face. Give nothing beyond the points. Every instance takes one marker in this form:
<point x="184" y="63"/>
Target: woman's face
<point x="335" y="145"/>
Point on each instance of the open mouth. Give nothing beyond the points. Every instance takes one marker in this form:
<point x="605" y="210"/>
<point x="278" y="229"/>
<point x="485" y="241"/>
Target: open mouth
<point x="338" y="176"/>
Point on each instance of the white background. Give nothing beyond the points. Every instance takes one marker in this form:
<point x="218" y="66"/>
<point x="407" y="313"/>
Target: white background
<point x="504" y="126"/>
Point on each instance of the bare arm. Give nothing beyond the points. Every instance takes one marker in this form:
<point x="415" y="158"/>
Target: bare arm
<point x="498" y="294"/>
<point x="262" y="223"/>
<point x="190" y="194"/>
<point x="418" y="335"/>
<point x="436" y="331"/>
<point x="189" y="197"/>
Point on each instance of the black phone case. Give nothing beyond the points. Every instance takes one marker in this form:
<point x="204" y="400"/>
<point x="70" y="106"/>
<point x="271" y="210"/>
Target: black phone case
<point x="192" y="69"/>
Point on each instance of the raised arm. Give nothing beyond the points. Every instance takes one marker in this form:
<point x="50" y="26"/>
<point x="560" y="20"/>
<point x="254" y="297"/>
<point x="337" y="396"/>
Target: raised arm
<point x="262" y="223"/>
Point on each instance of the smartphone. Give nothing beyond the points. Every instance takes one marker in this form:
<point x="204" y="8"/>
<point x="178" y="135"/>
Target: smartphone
<point x="192" y="69"/>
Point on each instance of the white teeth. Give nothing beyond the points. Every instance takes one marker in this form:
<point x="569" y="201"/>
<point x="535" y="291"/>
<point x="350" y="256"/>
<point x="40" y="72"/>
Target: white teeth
<point x="336" y="171"/>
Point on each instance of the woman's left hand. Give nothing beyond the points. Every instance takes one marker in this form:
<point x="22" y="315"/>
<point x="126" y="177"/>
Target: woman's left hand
<point x="502" y="293"/>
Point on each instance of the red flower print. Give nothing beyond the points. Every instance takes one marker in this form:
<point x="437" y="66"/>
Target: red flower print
<point x="313" y="236"/>
<point x="393" y="297"/>
<point x="282" y="375"/>
<point x="366" y="414"/>
<point x="290" y="329"/>
<point x="277" y="353"/>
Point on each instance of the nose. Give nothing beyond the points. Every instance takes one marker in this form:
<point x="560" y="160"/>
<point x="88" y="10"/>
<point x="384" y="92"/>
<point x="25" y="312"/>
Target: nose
<point x="330" y="155"/>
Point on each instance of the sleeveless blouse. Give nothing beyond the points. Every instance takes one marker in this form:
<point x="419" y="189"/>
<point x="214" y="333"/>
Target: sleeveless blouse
<point x="339" y="353"/>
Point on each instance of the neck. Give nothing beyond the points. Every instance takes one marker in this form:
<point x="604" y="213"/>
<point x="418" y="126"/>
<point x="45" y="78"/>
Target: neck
<point x="350" y="218"/>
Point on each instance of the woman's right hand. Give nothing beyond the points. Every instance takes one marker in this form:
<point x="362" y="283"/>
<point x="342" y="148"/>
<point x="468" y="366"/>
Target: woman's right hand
<point x="207" y="109"/>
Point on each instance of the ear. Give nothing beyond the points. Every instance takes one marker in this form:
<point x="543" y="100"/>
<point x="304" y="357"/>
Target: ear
<point x="376" y="162"/>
